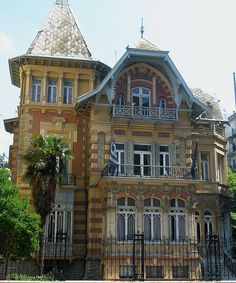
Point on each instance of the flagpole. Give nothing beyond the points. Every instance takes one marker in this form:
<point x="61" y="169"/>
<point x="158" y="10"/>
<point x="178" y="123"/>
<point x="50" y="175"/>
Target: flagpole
<point x="234" y="89"/>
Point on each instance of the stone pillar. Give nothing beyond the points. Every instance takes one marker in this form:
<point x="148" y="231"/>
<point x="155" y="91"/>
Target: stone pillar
<point x="154" y="93"/>
<point x="128" y="89"/>
<point x="60" y="86"/>
<point x="27" y="87"/>
<point x="44" y="88"/>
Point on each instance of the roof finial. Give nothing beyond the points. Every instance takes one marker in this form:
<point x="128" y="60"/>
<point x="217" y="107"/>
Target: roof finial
<point x="142" y="28"/>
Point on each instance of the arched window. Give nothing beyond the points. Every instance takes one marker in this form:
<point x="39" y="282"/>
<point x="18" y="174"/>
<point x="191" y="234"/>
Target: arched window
<point x="162" y="103"/>
<point x="207" y="217"/>
<point x="120" y="100"/>
<point x="177" y="220"/>
<point x="125" y="218"/>
<point x="198" y="225"/>
<point x="141" y="96"/>
<point x="152" y="219"/>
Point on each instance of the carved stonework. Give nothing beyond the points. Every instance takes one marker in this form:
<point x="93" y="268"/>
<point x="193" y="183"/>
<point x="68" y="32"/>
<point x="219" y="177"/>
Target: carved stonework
<point x="58" y="123"/>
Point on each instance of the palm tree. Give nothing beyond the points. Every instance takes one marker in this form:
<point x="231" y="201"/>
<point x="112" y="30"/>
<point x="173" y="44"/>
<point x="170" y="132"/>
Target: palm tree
<point x="44" y="161"/>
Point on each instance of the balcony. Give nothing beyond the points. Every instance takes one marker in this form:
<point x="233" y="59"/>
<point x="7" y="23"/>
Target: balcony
<point x="149" y="171"/>
<point x="207" y="129"/>
<point x="144" y="113"/>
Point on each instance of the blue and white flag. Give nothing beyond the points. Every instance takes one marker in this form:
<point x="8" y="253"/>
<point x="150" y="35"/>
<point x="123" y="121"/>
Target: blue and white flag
<point x="113" y="160"/>
<point x="194" y="161"/>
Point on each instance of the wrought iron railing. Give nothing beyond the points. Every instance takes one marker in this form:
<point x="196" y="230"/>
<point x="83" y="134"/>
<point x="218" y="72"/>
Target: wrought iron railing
<point x="149" y="171"/>
<point x="140" y="112"/>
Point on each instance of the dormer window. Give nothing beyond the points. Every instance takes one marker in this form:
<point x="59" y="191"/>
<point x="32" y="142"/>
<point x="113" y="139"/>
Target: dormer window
<point x="141" y="96"/>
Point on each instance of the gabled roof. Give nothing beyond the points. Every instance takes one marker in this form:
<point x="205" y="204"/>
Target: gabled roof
<point x="142" y="53"/>
<point x="60" y="36"/>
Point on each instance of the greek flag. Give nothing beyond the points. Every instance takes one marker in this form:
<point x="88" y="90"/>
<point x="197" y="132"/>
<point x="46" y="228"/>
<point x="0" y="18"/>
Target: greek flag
<point x="194" y="162"/>
<point x="113" y="161"/>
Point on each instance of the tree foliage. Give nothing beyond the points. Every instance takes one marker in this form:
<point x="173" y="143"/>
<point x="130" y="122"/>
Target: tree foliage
<point x="44" y="161"/>
<point x="19" y="226"/>
<point x="232" y="191"/>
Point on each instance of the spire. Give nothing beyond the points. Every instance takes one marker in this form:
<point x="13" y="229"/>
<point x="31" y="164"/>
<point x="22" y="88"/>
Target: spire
<point x="142" y="28"/>
<point x="62" y="2"/>
<point x="60" y="36"/>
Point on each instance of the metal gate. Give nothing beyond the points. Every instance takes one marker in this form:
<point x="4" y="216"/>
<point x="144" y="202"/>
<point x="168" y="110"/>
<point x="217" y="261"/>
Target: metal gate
<point x="138" y="257"/>
<point x="212" y="258"/>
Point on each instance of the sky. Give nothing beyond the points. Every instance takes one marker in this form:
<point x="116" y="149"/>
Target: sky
<point x="199" y="34"/>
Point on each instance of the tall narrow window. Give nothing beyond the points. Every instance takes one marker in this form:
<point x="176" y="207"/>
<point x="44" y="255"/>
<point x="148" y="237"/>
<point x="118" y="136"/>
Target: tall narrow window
<point x="205" y="166"/>
<point x="58" y="222"/>
<point x="162" y="103"/>
<point x="121" y="158"/>
<point x="152" y="219"/>
<point x="198" y="226"/>
<point x="177" y="220"/>
<point x="142" y="160"/>
<point x="67" y="92"/>
<point x="36" y="90"/>
<point x="164" y="160"/>
<point x="125" y="218"/>
<point x="120" y="100"/>
<point x="207" y="223"/>
<point x="52" y="91"/>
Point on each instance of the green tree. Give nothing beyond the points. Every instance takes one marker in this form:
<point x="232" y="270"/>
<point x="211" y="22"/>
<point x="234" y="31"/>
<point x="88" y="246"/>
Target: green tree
<point x="19" y="227"/>
<point x="232" y="191"/>
<point x="44" y="169"/>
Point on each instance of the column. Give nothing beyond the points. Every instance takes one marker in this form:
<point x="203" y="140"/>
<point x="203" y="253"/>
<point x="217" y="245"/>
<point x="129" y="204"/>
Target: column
<point x="154" y="94"/>
<point x="44" y="87"/>
<point x="27" y="87"/>
<point x="60" y="86"/>
<point x="128" y="89"/>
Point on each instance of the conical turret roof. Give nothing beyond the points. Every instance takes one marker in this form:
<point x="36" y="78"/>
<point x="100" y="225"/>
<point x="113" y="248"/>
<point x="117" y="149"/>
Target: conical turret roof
<point x="60" y="35"/>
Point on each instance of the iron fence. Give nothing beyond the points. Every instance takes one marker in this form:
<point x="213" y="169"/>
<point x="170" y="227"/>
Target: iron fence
<point x="135" y="259"/>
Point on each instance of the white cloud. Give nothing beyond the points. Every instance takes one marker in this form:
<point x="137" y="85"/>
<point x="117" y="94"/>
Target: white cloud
<point x="6" y="46"/>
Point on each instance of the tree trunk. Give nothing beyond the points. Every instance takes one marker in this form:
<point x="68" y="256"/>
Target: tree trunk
<point x="42" y="245"/>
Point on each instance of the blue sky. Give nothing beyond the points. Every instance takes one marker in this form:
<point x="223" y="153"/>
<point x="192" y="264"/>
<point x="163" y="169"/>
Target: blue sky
<point x="200" y="35"/>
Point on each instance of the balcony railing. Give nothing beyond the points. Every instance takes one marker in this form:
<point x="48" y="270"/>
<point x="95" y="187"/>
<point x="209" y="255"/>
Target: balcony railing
<point x="206" y="129"/>
<point x="149" y="171"/>
<point x="140" y="112"/>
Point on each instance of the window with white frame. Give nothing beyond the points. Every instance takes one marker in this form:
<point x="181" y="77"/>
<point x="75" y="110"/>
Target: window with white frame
<point x="60" y="221"/>
<point x="164" y="160"/>
<point x="205" y="166"/>
<point x="125" y="218"/>
<point x="177" y="220"/>
<point x="142" y="160"/>
<point x="67" y="92"/>
<point x="141" y="96"/>
<point x="121" y="157"/>
<point x="152" y="219"/>
<point x="52" y="91"/>
<point x="36" y="90"/>
<point x="207" y="218"/>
